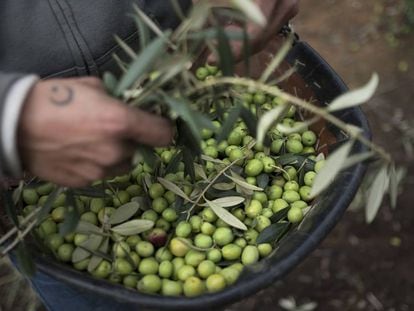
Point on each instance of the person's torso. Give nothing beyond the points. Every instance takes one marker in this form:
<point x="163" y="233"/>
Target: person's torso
<point x="71" y="37"/>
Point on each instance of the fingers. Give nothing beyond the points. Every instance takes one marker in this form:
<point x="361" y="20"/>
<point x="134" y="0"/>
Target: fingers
<point x="146" y="128"/>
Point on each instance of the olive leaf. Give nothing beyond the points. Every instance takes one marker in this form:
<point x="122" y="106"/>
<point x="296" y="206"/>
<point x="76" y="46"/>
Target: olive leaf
<point x="268" y="119"/>
<point x="189" y="245"/>
<point x="376" y="193"/>
<point x="141" y="64"/>
<point x="224" y="186"/>
<point x="96" y="259"/>
<point x="226" y="216"/>
<point x="355" y="97"/>
<point x="262" y="180"/>
<point x="10" y="206"/>
<point x="273" y="233"/>
<point x="173" y="188"/>
<point x="357" y="158"/>
<point x="17" y="193"/>
<point x="87" y="228"/>
<point x="229" y="201"/>
<point x="251" y="10"/>
<point x="332" y="167"/>
<point x="84" y="250"/>
<point x="123" y="213"/>
<point x="127" y="49"/>
<point x="278" y="216"/>
<point x="200" y="171"/>
<point x="239" y="181"/>
<point x="133" y="227"/>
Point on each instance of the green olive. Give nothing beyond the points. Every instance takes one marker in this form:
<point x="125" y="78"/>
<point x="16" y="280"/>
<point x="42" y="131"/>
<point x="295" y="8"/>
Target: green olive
<point x="274" y="192"/>
<point x="89" y="217"/>
<point x="134" y="190"/>
<point x="278" y="205"/>
<point x="178" y="247"/>
<point x="185" y="271"/>
<point x="294" y="146"/>
<point x="80" y="238"/>
<point x="193" y="257"/>
<point x="215" y="283"/>
<point x="253" y="209"/>
<point x="196" y="222"/>
<point x="268" y="165"/>
<point x="169" y="214"/>
<point x="54" y="241"/>
<point x="251" y="236"/>
<point x="231" y="251"/>
<point x="214" y="255"/>
<point x="81" y="265"/>
<point x="150" y="284"/>
<point x="162" y="224"/>
<point x="260" y="196"/>
<point x="30" y="196"/>
<point x="202" y="73"/>
<point x="208" y="228"/>
<point x="299" y="204"/>
<point x="121" y="249"/>
<point x="203" y="241"/>
<point x="65" y="251"/>
<point x="123" y="266"/>
<point x="319" y="165"/>
<point x="170" y="197"/>
<point x="48" y="227"/>
<point x="235" y="138"/>
<point x="291" y="196"/>
<point x="171" y="288"/>
<point x="120" y="198"/>
<point x="206" y="268"/>
<point x="250" y="255"/>
<point x="253" y="168"/>
<point x="156" y="190"/>
<point x="240" y="242"/>
<point x="144" y="249"/>
<point x="309" y="138"/>
<point x="96" y="204"/>
<point x="207" y="214"/>
<point x="150" y="215"/>
<point x="148" y="266"/>
<point x="264" y="249"/>
<point x="291" y="185"/>
<point x="103" y="270"/>
<point x="163" y="254"/>
<point x="159" y="204"/>
<point x="230" y="274"/>
<point x="193" y="287"/>
<point x="130" y="281"/>
<point x="277" y="145"/>
<point x="223" y="236"/>
<point x="305" y="193"/>
<point x="262" y="223"/>
<point x="237" y="156"/>
<point x="166" y="268"/>
<point x="58" y="214"/>
<point x="183" y="229"/>
<point x="295" y="215"/>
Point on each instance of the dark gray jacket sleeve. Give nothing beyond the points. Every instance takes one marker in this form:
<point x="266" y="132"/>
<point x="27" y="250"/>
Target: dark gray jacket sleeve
<point x="6" y="82"/>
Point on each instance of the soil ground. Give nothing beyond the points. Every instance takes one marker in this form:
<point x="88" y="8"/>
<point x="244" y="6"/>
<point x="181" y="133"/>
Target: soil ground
<point x="359" y="266"/>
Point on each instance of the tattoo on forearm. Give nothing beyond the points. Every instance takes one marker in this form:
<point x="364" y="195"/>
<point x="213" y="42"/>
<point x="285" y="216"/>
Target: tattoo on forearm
<point x="61" y="96"/>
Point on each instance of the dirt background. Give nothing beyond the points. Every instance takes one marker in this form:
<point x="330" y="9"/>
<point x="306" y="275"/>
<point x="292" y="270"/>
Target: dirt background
<point x="359" y="266"/>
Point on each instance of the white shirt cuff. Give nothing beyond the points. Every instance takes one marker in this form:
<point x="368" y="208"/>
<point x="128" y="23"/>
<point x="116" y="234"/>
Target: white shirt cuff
<point x="12" y="107"/>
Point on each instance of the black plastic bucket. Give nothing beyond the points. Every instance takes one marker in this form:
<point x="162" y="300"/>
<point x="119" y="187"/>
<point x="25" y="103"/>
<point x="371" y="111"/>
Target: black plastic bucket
<point x="76" y="288"/>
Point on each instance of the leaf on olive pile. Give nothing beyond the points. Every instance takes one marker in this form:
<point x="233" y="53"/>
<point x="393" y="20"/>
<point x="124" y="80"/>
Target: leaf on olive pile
<point x="123" y="213"/>
<point x="226" y="216"/>
<point x="133" y="227"/>
<point x="273" y="233"/>
<point x="173" y="188"/>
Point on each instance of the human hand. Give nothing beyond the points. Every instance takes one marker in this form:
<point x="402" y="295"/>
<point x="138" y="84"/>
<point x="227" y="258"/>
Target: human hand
<point x="277" y="13"/>
<point x="72" y="133"/>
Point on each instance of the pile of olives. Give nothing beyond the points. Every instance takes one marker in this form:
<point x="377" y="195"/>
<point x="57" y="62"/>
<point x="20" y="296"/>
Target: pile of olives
<point x="181" y="252"/>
